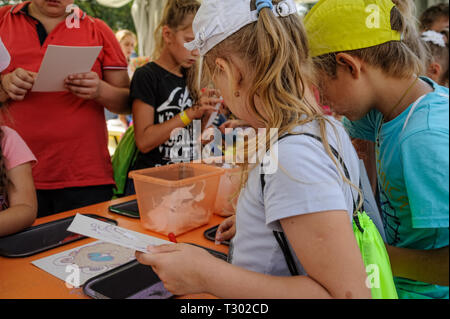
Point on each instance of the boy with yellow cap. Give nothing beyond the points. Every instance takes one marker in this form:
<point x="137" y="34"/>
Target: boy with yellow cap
<point x="368" y="58"/>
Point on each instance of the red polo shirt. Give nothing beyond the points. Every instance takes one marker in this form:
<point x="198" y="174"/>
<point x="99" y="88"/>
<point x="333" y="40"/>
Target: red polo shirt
<point x="67" y="134"/>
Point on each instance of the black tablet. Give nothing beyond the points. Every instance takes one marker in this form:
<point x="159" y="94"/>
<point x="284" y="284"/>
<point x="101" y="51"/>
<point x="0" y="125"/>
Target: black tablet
<point x="129" y="209"/>
<point x="210" y="234"/>
<point x="132" y="281"/>
<point x="215" y="253"/>
<point x="129" y="281"/>
<point x="37" y="239"/>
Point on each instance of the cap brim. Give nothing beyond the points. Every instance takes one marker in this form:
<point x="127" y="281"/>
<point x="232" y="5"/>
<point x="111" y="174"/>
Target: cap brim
<point x="190" y="46"/>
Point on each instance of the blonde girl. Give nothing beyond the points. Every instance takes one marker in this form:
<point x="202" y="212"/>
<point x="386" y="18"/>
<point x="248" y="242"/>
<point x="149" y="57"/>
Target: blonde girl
<point x="161" y="98"/>
<point x="366" y="53"/>
<point x="256" y="52"/>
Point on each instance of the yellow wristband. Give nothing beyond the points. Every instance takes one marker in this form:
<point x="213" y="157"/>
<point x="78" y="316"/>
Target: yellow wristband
<point x="186" y="120"/>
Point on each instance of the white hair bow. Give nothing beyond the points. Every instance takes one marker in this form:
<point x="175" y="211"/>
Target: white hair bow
<point x="434" y="37"/>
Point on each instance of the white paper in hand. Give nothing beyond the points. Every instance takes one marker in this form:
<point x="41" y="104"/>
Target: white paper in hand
<point x="61" y="61"/>
<point x="94" y="228"/>
<point x="5" y="58"/>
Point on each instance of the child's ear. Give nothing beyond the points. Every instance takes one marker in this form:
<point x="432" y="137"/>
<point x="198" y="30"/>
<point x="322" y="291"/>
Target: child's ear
<point x="350" y="63"/>
<point x="231" y="72"/>
<point x="434" y="70"/>
<point x="167" y="34"/>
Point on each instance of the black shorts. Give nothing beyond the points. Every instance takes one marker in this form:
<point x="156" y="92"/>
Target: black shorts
<point x="60" y="200"/>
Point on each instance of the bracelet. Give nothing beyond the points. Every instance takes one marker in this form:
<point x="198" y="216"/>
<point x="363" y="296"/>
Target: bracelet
<point x="186" y="120"/>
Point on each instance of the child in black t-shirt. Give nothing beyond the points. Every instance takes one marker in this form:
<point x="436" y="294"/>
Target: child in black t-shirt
<point x="161" y="99"/>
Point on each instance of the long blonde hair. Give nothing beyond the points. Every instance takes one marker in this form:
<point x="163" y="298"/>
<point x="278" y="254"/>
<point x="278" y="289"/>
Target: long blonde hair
<point x="173" y="16"/>
<point x="277" y="49"/>
<point x="400" y="59"/>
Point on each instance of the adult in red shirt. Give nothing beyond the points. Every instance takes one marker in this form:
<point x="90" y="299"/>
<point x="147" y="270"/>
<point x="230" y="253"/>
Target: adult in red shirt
<point x="65" y="130"/>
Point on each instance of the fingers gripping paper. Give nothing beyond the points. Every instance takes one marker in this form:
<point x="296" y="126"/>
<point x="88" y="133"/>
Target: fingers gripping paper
<point x="112" y="234"/>
<point x="61" y="61"/>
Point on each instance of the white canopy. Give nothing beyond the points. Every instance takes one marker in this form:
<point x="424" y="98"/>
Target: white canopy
<point x="113" y="3"/>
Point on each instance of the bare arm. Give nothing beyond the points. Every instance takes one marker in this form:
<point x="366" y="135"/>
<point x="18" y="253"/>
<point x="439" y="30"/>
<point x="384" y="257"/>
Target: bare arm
<point x="430" y="266"/>
<point x="148" y="135"/>
<point x="22" y="201"/>
<point x="115" y="91"/>
<point x="329" y="254"/>
<point x="323" y="241"/>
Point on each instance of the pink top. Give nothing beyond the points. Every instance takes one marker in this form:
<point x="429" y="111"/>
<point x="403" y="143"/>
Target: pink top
<point x="15" y="150"/>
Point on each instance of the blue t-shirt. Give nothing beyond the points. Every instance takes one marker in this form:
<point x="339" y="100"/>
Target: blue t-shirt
<point x="413" y="178"/>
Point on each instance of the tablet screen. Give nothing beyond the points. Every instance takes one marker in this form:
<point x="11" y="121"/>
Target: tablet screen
<point x="137" y="281"/>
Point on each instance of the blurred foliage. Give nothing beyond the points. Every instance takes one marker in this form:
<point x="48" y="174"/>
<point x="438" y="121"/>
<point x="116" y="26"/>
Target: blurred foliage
<point x="116" y="18"/>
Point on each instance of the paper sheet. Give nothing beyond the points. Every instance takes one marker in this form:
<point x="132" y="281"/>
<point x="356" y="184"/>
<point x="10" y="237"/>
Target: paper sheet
<point x="5" y="58"/>
<point x="113" y="234"/>
<point x="61" y="61"/>
<point x="78" y="265"/>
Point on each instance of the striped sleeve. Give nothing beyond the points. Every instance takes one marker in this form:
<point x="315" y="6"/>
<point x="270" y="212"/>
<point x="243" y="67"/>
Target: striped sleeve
<point x="112" y="55"/>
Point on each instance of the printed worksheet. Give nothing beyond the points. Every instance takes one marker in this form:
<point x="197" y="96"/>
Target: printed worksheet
<point x="97" y="229"/>
<point x="76" y="266"/>
<point x="61" y="61"/>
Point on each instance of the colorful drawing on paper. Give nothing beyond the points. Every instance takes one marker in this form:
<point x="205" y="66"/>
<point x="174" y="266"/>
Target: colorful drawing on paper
<point x="91" y="260"/>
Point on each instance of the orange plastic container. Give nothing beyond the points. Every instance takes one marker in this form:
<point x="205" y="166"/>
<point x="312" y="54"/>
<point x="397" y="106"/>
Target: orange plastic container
<point x="226" y="199"/>
<point x="176" y="198"/>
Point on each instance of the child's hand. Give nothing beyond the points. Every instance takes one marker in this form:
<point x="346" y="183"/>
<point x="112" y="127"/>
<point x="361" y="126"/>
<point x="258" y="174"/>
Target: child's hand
<point x="179" y="266"/>
<point x="84" y="85"/>
<point x="226" y="230"/>
<point x="17" y="83"/>
<point x="209" y="98"/>
<point x="198" y="111"/>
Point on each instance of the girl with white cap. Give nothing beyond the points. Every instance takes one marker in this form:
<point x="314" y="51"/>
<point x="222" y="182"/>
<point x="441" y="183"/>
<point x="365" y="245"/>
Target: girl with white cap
<point x="257" y="55"/>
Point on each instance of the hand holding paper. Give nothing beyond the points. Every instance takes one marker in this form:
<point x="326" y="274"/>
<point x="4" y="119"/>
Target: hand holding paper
<point x="83" y="85"/>
<point x="60" y="62"/>
<point x="17" y="83"/>
<point x="112" y="234"/>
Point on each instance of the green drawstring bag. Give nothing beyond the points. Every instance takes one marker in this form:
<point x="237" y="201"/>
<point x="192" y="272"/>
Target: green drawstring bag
<point x="375" y="257"/>
<point x="122" y="160"/>
<point x="371" y="244"/>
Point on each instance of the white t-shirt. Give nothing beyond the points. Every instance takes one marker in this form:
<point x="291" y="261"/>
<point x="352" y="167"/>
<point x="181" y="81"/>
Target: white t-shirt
<point x="313" y="185"/>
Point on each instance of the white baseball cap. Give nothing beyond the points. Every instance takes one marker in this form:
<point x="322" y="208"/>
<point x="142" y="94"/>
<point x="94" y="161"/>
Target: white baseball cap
<point x="5" y="58"/>
<point x="216" y="20"/>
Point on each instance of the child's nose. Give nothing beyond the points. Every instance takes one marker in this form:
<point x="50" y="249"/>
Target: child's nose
<point x="195" y="53"/>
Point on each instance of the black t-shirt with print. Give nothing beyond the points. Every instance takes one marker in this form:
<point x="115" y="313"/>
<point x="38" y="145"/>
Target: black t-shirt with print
<point x="169" y="96"/>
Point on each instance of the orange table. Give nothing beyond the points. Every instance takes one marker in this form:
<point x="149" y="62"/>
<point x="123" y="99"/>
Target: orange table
<point x="21" y="279"/>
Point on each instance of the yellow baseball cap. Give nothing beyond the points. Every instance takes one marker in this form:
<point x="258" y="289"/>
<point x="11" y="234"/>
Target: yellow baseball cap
<point x="344" y="25"/>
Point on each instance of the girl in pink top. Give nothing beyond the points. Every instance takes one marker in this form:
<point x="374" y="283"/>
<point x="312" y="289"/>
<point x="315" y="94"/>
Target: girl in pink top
<point x="18" y="203"/>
